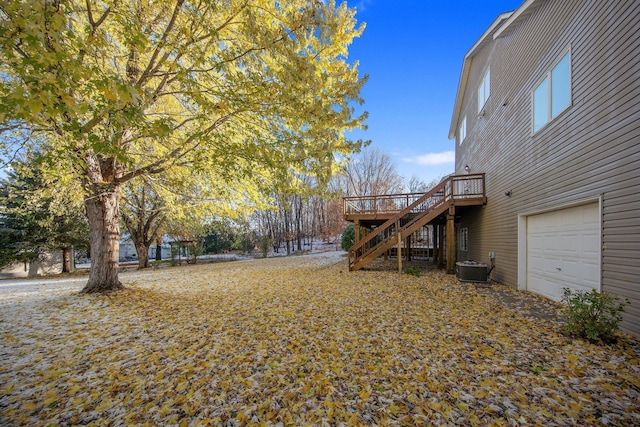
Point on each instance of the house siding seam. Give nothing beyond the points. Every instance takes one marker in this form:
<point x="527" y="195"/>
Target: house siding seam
<point x="589" y="151"/>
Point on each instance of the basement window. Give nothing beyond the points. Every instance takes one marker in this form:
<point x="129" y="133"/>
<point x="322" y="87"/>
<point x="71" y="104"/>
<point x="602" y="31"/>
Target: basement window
<point x="463" y="239"/>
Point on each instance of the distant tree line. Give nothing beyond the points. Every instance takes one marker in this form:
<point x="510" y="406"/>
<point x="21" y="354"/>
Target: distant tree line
<point x="293" y="222"/>
<point x="40" y="212"/>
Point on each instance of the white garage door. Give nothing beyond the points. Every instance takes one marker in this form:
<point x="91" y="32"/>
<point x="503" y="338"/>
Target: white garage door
<point x="563" y="250"/>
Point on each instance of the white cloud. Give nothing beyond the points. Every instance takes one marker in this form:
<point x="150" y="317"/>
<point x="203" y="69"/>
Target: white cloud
<point x="433" y="158"/>
<point x="362" y="5"/>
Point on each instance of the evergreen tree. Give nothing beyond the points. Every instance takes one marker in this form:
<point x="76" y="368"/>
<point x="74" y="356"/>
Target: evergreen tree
<point x="38" y="214"/>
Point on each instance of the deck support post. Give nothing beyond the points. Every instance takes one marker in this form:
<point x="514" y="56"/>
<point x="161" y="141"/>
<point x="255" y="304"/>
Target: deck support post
<point x="451" y="241"/>
<point x="440" y="245"/>
<point x="434" y="244"/>
<point x="356" y="228"/>
<point x="399" y="252"/>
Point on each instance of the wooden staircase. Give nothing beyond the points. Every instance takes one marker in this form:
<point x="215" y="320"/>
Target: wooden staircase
<point x="416" y="215"/>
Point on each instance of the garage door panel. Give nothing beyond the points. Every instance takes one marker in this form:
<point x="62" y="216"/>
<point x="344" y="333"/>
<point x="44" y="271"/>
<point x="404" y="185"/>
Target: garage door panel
<point x="563" y="250"/>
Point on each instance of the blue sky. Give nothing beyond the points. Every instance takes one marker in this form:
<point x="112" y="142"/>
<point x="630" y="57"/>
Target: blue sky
<point x="412" y="51"/>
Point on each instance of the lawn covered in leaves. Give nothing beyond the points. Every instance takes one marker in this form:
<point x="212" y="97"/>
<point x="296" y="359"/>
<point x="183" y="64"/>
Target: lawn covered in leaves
<point x="301" y="341"/>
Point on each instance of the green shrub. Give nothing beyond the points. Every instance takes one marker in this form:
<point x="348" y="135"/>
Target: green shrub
<point x="264" y="243"/>
<point x="592" y="315"/>
<point x="348" y="237"/>
<point x="414" y="271"/>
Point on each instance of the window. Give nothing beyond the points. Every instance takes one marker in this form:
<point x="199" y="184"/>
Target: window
<point x="462" y="132"/>
<point x="484" y="90"/>
<point x="464" y="239"/>
<point x="553" y="94"/>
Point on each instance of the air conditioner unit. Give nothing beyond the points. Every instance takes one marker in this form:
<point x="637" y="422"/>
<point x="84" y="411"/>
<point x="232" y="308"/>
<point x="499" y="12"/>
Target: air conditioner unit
<point x="471" y="271"/>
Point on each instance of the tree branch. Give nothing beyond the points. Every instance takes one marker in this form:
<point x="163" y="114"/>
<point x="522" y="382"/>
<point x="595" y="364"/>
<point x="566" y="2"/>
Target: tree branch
<point x="176" y="154"/>
<point x="96" y="24"/>
<point x="146" y="73"/>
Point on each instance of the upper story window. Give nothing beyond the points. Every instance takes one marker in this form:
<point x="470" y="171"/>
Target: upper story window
<point x="462" y="132"/>
<point x="553" y="95"/>
<point x="484" y="90"/>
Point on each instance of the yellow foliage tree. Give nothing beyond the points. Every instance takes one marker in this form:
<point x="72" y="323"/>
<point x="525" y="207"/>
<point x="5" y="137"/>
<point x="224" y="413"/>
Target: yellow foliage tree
<point x="247" y="90"/>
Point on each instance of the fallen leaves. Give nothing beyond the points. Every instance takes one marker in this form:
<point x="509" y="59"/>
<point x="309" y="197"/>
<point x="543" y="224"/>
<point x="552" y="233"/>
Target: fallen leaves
<point x="298" y="341"/>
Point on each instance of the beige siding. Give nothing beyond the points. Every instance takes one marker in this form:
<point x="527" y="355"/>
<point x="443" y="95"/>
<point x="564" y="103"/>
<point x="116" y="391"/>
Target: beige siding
<point x="590" y="151"/>
<point x="50" y="263"/>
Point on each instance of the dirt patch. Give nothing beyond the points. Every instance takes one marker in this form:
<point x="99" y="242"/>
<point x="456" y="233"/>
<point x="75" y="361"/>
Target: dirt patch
<point x="526" y="303"/>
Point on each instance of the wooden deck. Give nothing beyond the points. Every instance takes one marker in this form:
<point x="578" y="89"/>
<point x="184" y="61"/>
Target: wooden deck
<point x="463" y="190"/>
<point x="386" y="221"/>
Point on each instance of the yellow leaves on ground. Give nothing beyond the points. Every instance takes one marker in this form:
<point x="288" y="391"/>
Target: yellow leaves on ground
<point x="300" y="341"/>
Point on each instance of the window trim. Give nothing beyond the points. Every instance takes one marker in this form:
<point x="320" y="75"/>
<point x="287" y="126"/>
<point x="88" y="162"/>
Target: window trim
<point x="462" y="130"/>
<point x="549" y="95"/>
<point x="463" y="240"/>
<point x="485" y="88"/>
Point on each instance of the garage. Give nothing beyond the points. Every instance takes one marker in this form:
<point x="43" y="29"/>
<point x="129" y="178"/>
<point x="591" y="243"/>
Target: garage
<point x="563" y="250"/>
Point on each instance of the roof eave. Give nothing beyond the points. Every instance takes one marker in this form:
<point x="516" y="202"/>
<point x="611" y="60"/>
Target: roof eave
<point x="462" y="83"/>
<point x="516" y="17"/>
<point x="466" y="66"/>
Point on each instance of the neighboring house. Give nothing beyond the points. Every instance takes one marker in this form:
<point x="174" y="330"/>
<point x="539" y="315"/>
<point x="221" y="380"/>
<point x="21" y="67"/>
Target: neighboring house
<point x="548" y="107"/>
<point x="128" y="250"/>
<point x="50" y="263"/>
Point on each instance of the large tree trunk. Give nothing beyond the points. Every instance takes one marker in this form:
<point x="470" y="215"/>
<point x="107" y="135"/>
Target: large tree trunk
<point x="138" y="228"/>
<point x="143" y="254"/>
<point x="67" y="259"/>
<point x="102" y="214"/>
<point x="143" y="221"/>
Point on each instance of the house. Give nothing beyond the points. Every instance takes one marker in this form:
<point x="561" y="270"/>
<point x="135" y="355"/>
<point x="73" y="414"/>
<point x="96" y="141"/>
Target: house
<point x="50" y="263"/>
<point x="128" y="250"/>
<point x="546" y="123"/>
<point x="548" y="108"/>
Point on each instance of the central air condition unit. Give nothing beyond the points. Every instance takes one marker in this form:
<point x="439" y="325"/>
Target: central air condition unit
<point x="471" y="271"/>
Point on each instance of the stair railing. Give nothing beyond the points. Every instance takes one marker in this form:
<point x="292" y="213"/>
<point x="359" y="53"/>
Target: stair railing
<point x="434" y="197"/>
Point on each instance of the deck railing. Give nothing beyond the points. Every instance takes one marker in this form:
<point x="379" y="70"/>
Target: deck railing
<point x="458" y="187"/>
<point x="384" y="203"/>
